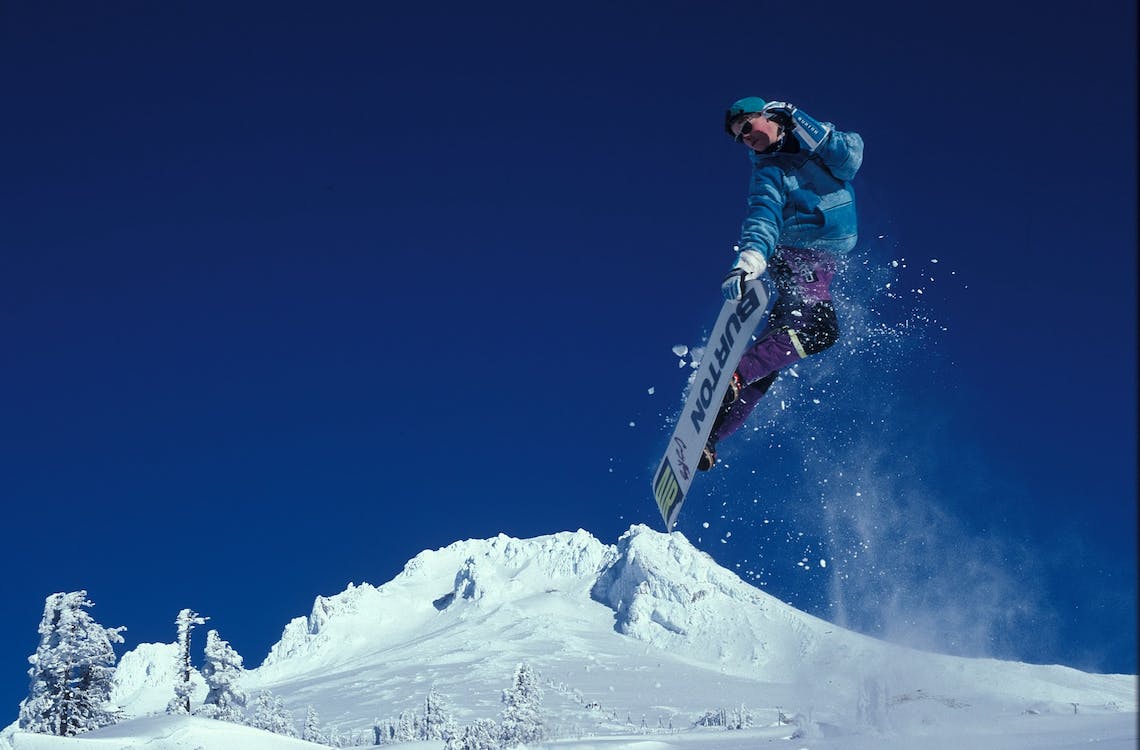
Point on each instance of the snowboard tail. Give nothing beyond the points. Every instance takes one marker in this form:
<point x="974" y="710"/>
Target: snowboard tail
<point x="727" y="342"/>
<point x="667" y="491"/>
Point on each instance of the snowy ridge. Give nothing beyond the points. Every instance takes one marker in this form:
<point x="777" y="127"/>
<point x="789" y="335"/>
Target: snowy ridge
<point x="668" y="593"/>
<point x="491" y="572"/>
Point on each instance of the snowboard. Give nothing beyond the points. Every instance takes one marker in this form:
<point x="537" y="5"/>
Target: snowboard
<point x="728" y="340"/>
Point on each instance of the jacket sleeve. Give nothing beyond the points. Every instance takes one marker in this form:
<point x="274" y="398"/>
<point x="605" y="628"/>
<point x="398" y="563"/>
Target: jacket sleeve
<point x="766" y="197"/>
<point x="842" y="154"/>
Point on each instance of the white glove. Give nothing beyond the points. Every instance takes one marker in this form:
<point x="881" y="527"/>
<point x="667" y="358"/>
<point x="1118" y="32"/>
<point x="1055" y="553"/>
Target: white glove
<point x="810" y="132"/>
<point x="750" y="264"/>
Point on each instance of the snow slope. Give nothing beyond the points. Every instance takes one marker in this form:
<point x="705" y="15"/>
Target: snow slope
<point x="633" y="641"/>
<point x="1043" y="733"/>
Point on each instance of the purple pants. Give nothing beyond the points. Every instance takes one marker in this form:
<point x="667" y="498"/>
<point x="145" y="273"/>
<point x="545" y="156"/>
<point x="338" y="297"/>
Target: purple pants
<point x="802" y="322"/>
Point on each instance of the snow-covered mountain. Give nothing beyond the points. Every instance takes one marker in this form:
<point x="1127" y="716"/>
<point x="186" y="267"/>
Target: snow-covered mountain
<point x="639" y="637"/>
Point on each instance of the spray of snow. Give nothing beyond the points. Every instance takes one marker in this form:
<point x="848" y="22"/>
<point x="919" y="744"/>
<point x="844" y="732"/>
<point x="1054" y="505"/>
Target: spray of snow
<point x="830" y="511"/>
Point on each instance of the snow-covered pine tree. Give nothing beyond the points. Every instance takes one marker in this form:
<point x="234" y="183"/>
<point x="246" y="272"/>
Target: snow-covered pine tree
<point x="39" y="712"/>
<point x="482" y="734"/>
<point x="740" y="718"/>
<point x="312" y="731"/>
<point x="222" y="671"/>
<point x="522" y="709"/>
<point x="262" y="711"/>
<point x="437" y="723"/>
<point x="183" y="688"/>
<point x="283" y="718"/>
<point x="382" y="732"/>
<point x="71" y="670"/>
<point x="270" y="714"/>
<point x="407" y="726"/>
<point x="718" y="718"/>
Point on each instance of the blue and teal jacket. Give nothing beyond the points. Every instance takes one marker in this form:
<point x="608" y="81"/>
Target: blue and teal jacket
<point x="803" y="200"/>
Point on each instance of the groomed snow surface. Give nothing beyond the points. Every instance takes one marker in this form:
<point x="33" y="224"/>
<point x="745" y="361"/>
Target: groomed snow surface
<point x="633" y="643"/>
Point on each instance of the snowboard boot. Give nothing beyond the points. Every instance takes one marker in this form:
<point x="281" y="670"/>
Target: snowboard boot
<point x="708" y="453"/>
<point x="708" y="457"/>
<point x="735" y="386"/>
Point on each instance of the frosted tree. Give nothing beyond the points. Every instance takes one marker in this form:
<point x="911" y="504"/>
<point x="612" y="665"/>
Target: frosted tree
<point x="222" y="671"/>
<point x="183" y="688"/>
<point x="718" y="718"/>
<point x="522" y="709"/>
<point x="407" y="726"/>
<point x="739" y="718"/>
<point x="312" y="731"/>
<point x="437" y="723"/>
<point x="270" y="714"/>
<point x="71" y="670"/>
<point x="382" y="732"/>
<point x="262" y="711"/>
<point x="483" y="734"/>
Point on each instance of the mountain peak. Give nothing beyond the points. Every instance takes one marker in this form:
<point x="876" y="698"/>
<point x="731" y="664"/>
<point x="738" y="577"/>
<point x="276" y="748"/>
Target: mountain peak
<point x="651" y="612"/>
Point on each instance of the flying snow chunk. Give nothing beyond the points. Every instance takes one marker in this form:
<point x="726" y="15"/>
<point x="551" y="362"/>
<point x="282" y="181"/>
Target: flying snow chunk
<point x="652" y="390"/>
<point x="680" y="350"/>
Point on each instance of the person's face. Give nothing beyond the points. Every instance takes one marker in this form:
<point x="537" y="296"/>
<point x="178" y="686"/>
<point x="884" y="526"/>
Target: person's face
<point x="755" y="131"/>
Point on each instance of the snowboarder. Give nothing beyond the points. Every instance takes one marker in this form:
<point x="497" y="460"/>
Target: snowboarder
<point x="801" y="215"/>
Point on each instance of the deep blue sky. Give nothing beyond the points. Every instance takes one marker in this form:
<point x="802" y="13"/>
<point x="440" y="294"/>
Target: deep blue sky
<point x="292" y="291"/>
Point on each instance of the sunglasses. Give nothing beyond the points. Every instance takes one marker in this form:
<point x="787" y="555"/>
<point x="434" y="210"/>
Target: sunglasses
<point x="746" y="127"/>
